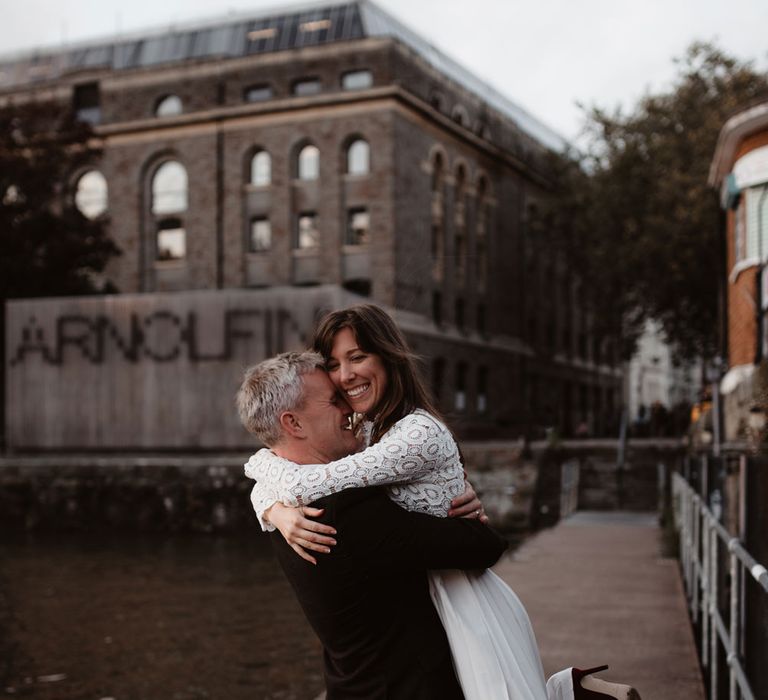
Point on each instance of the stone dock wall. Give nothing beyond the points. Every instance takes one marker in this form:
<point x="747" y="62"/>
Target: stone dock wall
<point x="521" y="488"/>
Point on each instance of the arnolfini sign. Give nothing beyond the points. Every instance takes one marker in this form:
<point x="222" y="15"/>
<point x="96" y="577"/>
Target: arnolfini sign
<point x="146" y="371"/>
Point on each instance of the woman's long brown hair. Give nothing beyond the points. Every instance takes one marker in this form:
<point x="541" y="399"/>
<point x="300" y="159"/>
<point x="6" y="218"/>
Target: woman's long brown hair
<point x="377" y="334"/>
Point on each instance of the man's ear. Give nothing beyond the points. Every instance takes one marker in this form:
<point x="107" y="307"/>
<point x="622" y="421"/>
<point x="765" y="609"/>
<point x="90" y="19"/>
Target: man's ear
<point x="291" y="425"/>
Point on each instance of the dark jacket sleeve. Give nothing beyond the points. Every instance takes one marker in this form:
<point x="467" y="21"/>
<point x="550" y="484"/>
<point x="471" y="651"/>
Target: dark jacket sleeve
<point x="369" y="524"/>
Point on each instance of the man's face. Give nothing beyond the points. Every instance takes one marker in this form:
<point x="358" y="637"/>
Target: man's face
<point x="324" y="418"/>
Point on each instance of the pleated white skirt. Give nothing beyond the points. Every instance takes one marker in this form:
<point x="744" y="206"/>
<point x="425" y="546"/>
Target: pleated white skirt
<point x="492" y="642"/>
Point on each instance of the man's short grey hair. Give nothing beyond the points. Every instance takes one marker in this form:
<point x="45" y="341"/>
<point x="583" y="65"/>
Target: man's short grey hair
<point x="271" y="388"/>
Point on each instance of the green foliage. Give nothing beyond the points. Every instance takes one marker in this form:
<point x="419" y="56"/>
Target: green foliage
<point x="636" y="214"/>
<point x="47" y="247"/>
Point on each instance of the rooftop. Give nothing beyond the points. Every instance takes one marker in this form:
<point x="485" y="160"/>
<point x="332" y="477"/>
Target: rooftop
<point x="279" y="29"/>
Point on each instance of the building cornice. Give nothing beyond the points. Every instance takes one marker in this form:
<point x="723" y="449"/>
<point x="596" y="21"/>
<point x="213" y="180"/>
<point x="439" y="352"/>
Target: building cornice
<point x="734" y="131"/>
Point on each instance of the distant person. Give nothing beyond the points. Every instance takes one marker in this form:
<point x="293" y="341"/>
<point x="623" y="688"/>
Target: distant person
<point x="412" y="452"/>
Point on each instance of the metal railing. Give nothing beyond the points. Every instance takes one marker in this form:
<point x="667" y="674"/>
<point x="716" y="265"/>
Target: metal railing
<point x="701" y="535"/>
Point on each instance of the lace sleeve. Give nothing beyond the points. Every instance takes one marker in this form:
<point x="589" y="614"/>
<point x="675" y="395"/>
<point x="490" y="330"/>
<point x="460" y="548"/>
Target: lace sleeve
<point x="415" y="446"/>
<point x="262" y="498"/>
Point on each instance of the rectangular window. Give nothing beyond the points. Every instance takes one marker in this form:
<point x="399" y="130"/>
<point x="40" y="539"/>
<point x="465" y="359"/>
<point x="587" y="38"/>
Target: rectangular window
<point x="460" y="396"/>
<point x="357" y="80"/>
<point x="459" y="250"/>
<point x="533" y="330"/>
<point x="258" y="93"/>
<point x="482" y="262"/>
<point x="459" y="314"/>
<point x="261" y="235"/>
<point x="86" y="102"/>
<point x="437" y="308"/>
<point x="582" y="345"/>
<point x="171" y="240"/>
<point x="481" y="324"/>
<point x="435" y="241"/>
<point x="482" y="389"/>
<point x="305" y="87"/>
<point x="757" y="222"/>
<point x="308" y="235"/>
<point x="597" y="348"/>
<point x="358" y="225"/>
<point x="438" y="377"/>
<point x="740" y="239"/>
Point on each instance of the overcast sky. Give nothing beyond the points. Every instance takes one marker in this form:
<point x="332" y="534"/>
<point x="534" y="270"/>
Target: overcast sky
<point x="547" y="55"/>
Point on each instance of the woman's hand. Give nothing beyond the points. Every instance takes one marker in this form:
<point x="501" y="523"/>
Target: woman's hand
<point x="299" y="532"/>
<point x="467" y="505"/>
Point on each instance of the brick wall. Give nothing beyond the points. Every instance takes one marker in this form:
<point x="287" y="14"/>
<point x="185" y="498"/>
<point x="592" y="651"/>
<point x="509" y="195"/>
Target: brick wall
<point x="742" y="290"/>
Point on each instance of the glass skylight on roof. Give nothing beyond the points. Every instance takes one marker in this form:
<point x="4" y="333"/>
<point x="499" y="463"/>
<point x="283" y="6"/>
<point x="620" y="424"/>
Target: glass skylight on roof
<point x="267" y="32"/>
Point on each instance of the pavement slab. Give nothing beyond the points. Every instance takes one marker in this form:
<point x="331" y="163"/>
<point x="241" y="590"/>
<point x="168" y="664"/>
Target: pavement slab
<point x="598" y="591"/>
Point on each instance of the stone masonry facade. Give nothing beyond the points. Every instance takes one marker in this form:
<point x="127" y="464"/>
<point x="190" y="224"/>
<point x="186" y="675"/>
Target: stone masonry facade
<point x="504" y="335"/>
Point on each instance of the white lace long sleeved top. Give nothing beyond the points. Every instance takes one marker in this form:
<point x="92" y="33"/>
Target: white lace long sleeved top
<point x="417" y="459"/>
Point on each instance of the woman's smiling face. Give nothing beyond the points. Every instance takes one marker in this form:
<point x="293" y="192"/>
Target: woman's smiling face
<point x="360" y="376"/>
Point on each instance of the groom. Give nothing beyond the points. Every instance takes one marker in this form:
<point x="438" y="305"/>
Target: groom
<point x="368" y="599"/>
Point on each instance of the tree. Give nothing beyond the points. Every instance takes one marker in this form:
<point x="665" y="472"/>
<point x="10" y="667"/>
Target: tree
<point x="47" y="247"/>
<point x="636" y="214"/>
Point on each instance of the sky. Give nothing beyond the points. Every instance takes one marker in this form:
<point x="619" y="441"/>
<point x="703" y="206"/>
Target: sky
<point x="549" y="56"/>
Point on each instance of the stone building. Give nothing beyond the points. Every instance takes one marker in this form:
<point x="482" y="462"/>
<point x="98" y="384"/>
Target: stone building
<point x="739" y="171"/>
<point x="332" y="145"/>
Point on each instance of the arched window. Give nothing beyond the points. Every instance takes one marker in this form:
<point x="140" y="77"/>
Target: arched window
<point x="169" y="106"/>
<point x="309" y="163"/>
<point x="437" y="101"/>
<point x="169" y="189"/>
<point x="91" y="194"/>
<point x="459" y="115"/>
<point x="358" y="157"/>
<point x="169" y="202"/>
<point x="261" y="169"/>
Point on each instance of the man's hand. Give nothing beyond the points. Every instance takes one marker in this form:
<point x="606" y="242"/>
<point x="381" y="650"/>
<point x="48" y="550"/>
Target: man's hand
<point x="467" y="505"/>
<point x="299" y="532"/>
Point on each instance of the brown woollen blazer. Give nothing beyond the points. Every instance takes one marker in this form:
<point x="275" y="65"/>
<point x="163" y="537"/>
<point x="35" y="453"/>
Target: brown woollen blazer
<point x="368" y="600"/>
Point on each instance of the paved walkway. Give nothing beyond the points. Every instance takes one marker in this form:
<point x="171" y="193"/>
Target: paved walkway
<point x="598" y="592"/>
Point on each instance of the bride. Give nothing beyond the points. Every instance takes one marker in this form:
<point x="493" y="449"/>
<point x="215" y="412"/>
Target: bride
<point x="412" y="452"/>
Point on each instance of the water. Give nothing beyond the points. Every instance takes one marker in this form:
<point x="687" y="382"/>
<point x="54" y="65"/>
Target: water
<point x="152" y="617"/>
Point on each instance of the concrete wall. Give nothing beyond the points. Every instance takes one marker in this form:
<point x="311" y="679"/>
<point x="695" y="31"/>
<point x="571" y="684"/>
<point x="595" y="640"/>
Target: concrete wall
<point x="145" y="372"/>
<point x="521" y="489"/>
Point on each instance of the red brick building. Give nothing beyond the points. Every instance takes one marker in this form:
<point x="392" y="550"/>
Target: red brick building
<point x="739" y="171"/>
<point x="333" y="145"/>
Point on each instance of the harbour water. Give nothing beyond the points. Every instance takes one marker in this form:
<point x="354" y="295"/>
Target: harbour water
<point x="151" y="617"/>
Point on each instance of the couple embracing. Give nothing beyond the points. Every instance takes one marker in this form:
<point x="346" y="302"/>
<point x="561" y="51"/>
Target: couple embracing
<point x="398" y="592"/>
